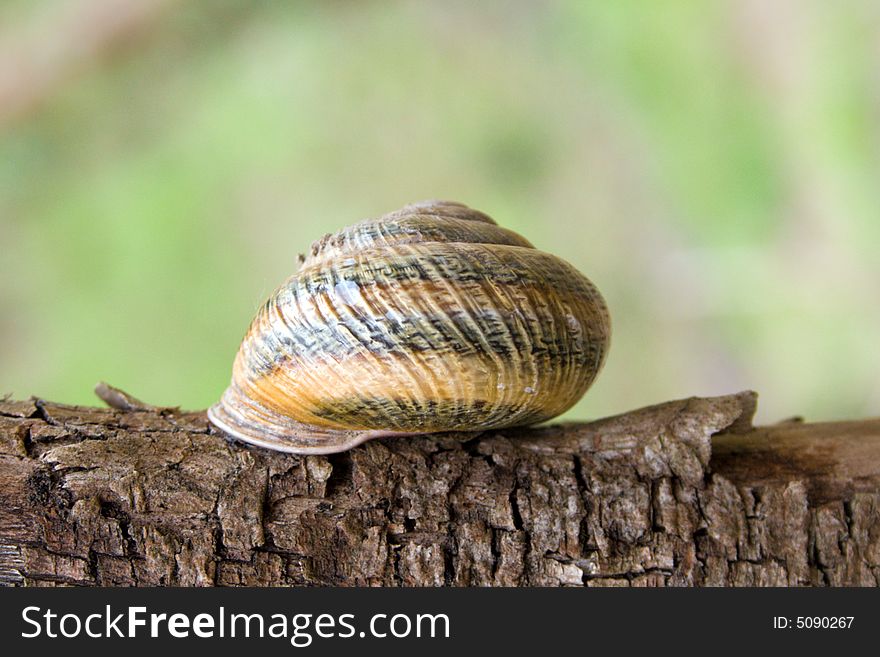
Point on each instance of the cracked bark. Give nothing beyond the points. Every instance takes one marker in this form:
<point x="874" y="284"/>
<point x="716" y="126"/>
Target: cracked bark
<point x="683" y="493"/>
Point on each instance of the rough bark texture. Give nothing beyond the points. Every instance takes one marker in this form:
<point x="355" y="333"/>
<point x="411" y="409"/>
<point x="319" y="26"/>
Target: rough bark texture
<point x="684" y="493"/>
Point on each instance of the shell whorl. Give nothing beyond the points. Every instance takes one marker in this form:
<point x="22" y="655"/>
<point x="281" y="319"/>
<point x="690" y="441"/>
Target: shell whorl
<point x="431" y="318"/>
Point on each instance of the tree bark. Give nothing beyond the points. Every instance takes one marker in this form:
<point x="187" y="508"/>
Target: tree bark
<point x="683" y="493"/>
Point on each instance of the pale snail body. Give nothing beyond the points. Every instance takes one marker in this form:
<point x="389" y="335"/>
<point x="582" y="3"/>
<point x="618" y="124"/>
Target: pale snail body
<point x="428" y="319"/>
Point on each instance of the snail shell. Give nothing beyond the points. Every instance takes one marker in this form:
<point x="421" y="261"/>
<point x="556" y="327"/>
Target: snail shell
<point x="432" y="318"/>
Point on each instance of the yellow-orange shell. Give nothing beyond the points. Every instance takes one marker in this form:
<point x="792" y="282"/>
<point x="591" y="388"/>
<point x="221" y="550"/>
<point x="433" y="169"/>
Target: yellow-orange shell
<point x="428" y="319"/>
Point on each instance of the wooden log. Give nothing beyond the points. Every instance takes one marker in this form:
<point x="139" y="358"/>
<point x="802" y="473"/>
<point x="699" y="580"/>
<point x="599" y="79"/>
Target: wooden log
<point x="685" y="493"/>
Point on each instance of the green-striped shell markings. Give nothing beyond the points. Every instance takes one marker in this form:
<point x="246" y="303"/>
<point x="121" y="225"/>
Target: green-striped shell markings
<point x="432" y="318"/>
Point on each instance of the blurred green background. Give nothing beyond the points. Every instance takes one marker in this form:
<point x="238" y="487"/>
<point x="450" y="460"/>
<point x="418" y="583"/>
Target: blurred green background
<point x="714" y="167"/>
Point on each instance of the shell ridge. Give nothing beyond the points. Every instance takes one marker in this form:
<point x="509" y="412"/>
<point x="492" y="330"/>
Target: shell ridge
<point x="439" y="275"/>
<point x="423" y="304"/>
<point x="360" y="322"/>
<point x="524" y="361"/>
<point x="424" y="380"/>
<point x="492" y="354"/>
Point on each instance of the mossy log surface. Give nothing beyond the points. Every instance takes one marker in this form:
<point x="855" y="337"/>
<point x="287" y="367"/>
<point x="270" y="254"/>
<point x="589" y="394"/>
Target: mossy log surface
<point x="685" y="493"/>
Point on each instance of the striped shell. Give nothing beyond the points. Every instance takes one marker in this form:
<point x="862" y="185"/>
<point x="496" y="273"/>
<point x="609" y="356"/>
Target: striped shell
<point x="428" y="319"/>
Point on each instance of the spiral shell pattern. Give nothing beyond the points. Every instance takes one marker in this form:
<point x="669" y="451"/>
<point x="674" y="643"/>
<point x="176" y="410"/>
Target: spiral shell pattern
<point x="432" y="318"/>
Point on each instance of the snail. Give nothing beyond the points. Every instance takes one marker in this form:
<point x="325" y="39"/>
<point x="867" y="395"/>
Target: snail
<point x="429" y="319"/>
